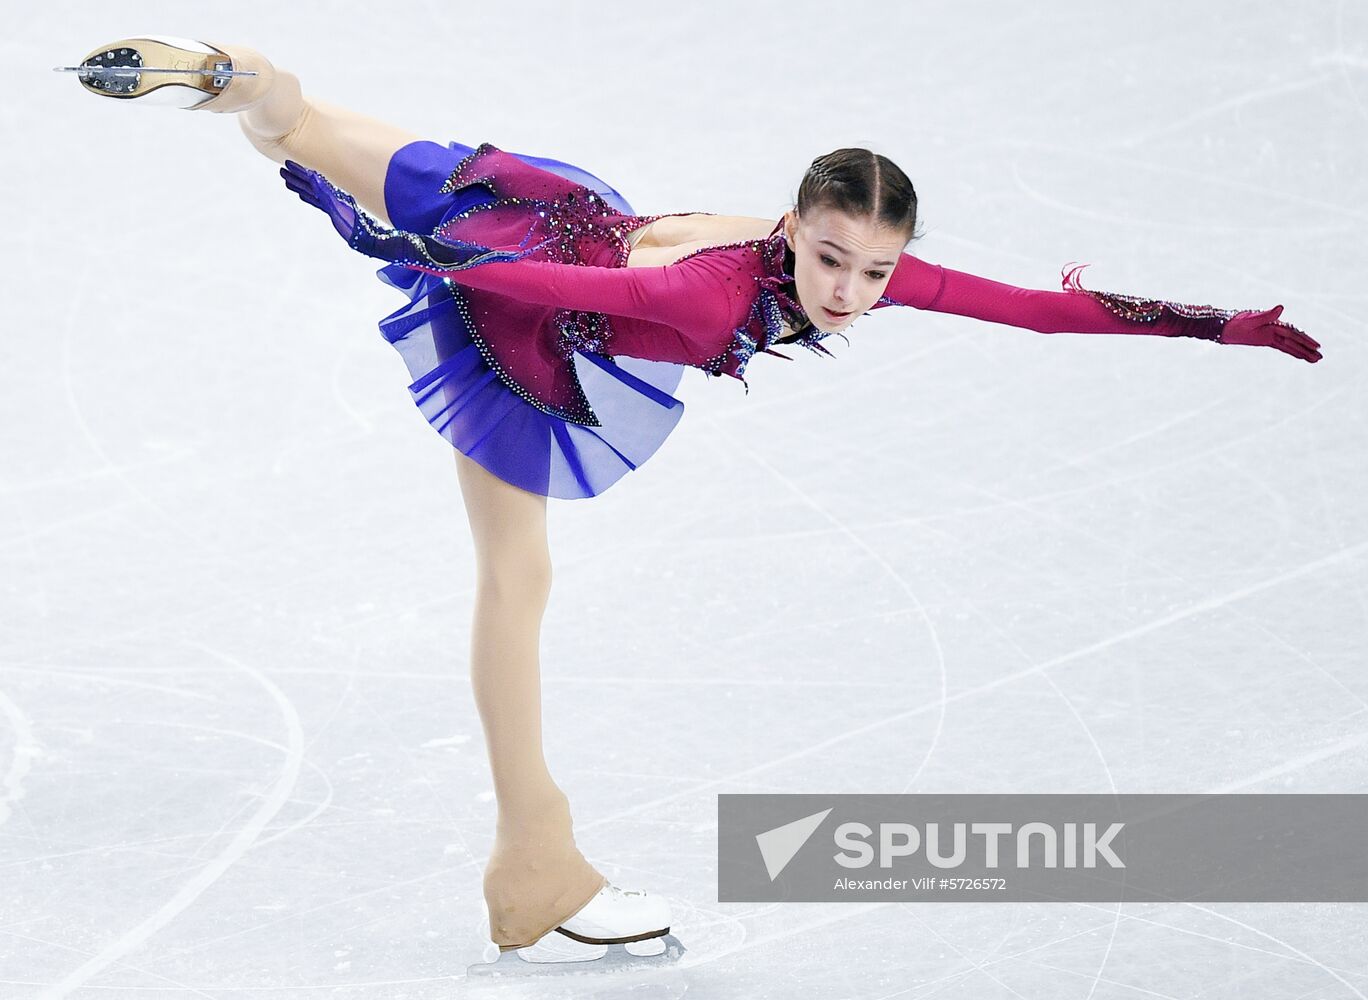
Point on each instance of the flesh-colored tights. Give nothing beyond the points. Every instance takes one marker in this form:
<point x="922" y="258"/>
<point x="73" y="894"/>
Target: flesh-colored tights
<point x="536" y="878"/>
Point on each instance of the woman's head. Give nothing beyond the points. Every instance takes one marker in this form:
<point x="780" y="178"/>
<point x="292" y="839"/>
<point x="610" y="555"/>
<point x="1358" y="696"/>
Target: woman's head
<point x="855" y="213"/>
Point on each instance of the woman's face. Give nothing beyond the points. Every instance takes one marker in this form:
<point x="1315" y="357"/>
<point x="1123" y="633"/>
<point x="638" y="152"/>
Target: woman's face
<point x="841" y="265"/>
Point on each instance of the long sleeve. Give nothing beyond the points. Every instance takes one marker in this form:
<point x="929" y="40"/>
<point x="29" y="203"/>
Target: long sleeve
<point x="1075" y="310"/>
<point x="691" y="295"/>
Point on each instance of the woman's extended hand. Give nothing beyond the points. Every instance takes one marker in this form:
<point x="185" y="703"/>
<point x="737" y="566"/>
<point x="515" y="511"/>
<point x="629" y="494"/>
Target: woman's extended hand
<point x="1264" y="329"/>
<point x="372" y="238"/>
<point x="316" y="190"/>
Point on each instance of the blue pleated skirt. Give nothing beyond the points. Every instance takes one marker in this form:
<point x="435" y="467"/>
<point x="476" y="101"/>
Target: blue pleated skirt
<point x="466" y="401"/>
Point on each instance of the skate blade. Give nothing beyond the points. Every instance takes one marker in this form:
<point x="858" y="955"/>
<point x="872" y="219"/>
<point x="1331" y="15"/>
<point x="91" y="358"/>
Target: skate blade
<point x="120" y="72"/>
<point x="617" y="958"/>
<point x="137" y="67"/>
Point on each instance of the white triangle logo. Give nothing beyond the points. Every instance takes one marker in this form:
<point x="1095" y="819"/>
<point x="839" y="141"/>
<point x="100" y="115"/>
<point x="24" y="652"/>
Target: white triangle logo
<point x="778" y="846"/>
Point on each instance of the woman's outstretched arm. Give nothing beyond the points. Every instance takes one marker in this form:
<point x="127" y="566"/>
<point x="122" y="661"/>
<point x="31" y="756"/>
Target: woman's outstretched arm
<point x="922" y="285"/>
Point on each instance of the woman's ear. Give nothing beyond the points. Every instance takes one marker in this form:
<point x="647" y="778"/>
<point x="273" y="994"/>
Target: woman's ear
<point x="790" y="226"/>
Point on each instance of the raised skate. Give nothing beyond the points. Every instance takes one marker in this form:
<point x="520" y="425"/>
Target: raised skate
<point x="169" y="71"/>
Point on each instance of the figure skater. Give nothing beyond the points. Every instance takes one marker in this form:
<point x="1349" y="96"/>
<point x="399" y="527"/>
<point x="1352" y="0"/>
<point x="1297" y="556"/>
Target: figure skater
<point x="545" y="329"/>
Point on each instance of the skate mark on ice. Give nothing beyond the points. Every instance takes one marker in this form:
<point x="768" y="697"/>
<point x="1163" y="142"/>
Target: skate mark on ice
<point x="189" y="892"/>
<point x="1313" y="566"/>
<point x="23" y="752"/>
<point x="897" y="578"/>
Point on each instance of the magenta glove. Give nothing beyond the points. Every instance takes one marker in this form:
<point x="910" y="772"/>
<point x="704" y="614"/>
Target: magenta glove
<point x="1085" y="310"/>
<point x="1264" y="329"/>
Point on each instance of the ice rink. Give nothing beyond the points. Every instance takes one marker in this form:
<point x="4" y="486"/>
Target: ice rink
<point x="239" y="754"/>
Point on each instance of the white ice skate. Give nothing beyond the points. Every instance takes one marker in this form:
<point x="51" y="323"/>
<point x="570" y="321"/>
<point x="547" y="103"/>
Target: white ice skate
<point x="163" y="70"/>
<point x="616" y="918"/>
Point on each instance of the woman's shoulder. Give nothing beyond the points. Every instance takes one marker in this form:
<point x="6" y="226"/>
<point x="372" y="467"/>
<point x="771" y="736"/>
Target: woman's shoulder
<point x="672" y="238"/>
<point x="705" y="228"/>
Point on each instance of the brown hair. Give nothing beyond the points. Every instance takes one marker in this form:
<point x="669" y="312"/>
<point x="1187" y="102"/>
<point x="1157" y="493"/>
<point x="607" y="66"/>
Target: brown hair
<point x="860" y="182"/>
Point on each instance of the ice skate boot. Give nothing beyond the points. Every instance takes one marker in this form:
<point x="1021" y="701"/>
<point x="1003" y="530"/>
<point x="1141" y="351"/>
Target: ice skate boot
<point x="616" y="918"/>
<point x="167" y="71"/>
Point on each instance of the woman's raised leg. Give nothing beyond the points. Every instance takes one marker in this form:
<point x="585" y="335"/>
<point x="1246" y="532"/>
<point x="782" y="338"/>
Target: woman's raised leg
<point x="536" y="878"/>
<point x="350" y="149"/>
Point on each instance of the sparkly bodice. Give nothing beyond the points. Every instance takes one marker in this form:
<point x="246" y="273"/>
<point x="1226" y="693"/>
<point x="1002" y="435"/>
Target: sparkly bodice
<point x="574" y="225"/>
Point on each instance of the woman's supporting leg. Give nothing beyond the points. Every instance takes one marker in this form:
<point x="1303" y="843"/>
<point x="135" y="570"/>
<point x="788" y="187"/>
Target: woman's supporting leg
<point x="536" y="878"/>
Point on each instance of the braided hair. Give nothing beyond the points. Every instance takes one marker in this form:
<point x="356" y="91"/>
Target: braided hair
<point x="860" y="182"/>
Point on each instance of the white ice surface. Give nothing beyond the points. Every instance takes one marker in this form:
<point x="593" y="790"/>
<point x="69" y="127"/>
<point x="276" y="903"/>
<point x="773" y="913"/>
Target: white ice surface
<point x="238" y="752"/>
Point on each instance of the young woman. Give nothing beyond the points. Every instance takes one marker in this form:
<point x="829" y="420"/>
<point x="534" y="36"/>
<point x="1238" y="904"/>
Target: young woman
<point x="547" y="326"/>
